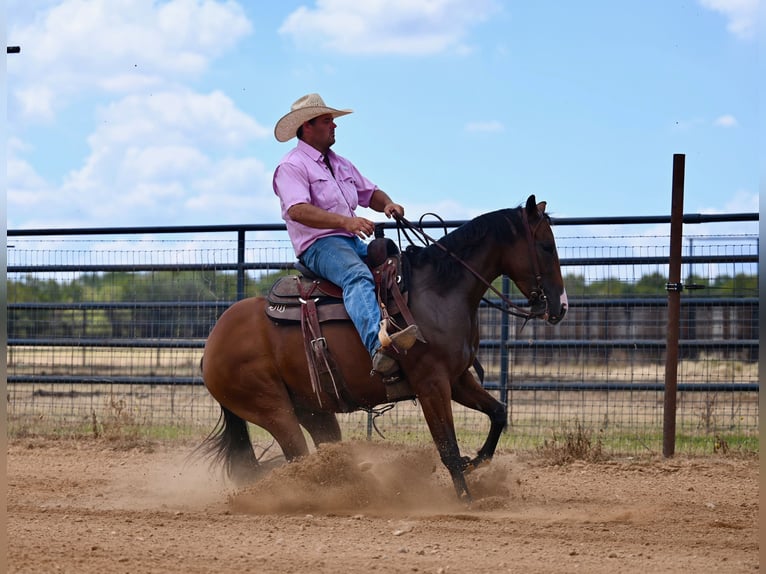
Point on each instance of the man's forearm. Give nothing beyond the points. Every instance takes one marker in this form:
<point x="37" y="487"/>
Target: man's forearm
<point x="379" y="200"/>
<point x="313" y="216"/>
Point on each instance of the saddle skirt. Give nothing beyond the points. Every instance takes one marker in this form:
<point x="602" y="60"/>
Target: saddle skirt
<point x="288" y="294"/>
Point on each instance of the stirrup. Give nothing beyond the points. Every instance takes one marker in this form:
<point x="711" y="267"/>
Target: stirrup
<point x="401" y="340"/>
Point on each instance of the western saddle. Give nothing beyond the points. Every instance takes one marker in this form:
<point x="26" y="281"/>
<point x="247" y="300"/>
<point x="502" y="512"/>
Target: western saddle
<point x="311" y="301"/>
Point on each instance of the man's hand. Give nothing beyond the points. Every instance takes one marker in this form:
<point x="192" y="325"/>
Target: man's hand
<point x="359" y="226"/>
<point x="381" y="203"/>
<point x="393" y="210"/>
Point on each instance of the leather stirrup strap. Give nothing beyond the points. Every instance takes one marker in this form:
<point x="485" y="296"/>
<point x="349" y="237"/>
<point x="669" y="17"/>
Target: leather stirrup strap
<point x="384" y="287"/>
<point x="402" y="304"/>
<point x="320" y="361"/>
<point x="310" y="330"/>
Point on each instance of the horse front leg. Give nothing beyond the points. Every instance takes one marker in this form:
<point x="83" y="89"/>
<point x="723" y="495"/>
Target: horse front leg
<point x="469" y="393"/>
<point x="437" y="410"/>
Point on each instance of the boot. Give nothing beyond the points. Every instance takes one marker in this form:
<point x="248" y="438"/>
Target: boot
<point x="383" y="362"/>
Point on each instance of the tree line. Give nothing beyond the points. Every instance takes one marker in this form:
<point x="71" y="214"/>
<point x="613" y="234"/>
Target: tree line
<point x="185" y="304"/>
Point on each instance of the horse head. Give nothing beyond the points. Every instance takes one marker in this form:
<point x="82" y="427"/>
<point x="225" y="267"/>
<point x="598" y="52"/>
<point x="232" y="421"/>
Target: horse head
<point x="537" y="271"/>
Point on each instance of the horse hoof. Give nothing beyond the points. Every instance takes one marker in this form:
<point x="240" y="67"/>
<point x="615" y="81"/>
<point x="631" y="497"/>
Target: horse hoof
<point x="475" y="464"/>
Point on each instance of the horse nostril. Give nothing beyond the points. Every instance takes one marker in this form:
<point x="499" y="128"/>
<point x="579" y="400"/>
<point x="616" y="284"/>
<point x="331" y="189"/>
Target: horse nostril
<point x="555" y="319"/>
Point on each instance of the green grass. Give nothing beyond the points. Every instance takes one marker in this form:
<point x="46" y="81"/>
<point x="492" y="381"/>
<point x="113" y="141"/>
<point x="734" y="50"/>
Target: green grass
<point x="108" y="431"/>
<point x="570" y="441"/>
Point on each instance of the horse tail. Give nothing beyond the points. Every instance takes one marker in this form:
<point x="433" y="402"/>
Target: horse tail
<point x="229" y="444"/>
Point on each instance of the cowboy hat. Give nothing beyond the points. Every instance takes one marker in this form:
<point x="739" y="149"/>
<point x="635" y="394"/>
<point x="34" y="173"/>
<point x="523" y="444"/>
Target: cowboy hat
<point x="303" y="109"/>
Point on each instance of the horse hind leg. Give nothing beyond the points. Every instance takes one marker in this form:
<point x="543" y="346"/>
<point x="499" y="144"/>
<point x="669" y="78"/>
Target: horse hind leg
<point x="230" y="442"/>
<point x="282" y="423"/>
<point x="274" y="413"/>
<point x="321" y="425"/>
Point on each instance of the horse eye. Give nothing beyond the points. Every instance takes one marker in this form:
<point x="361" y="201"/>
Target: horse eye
<point x="547" y="247"/>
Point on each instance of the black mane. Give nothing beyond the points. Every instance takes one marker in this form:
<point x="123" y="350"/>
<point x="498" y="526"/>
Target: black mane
<point x="503" y="225"/>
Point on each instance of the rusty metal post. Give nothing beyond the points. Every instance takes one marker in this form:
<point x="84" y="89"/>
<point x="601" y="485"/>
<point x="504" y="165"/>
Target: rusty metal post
<point x="674" y="288"/>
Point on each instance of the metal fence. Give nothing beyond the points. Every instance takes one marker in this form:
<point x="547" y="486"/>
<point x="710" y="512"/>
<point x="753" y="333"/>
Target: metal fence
<point x="116" y="335"/>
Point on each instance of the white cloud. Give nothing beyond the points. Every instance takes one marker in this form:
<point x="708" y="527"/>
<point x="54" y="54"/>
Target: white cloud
<point x="177" y="117"/>
<point x="116" y="46"/>
<point x="36" y="100"/>
<point x="739" y="201"/>
<point x="387" y="27"/>
<point x="26" y="189"/>
<point x="726" y="121"/>
<point x="723" y="121"/>
<point x="154" y="160"/>
<point x="743" y="201"/>
<point x="741" y="14"/>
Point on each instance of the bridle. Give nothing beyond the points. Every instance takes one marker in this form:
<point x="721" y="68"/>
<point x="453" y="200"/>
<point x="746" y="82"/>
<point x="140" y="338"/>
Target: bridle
<point x="508" y="306"/>
<point x="538" y="293"/>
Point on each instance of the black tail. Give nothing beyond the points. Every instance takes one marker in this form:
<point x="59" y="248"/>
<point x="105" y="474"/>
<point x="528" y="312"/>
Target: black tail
<point x="229" y="444"/>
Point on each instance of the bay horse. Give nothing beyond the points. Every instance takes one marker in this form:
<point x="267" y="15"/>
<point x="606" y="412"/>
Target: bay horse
<point x="257" y="369"/>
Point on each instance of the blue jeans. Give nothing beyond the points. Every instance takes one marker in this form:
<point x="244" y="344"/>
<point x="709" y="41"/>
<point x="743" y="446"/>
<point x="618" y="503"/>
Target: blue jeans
<point x="339" y="259"/>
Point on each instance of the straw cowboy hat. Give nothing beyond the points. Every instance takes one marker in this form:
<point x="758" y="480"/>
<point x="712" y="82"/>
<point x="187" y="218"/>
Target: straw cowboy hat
<point x="303" y="109"/>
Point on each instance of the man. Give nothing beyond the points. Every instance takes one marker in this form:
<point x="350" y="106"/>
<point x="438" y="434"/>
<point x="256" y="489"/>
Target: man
<point x="319" y="191"/>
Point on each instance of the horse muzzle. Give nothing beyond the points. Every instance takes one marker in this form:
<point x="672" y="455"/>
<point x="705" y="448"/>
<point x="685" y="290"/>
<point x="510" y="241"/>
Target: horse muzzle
<point x="558" y="316"/>
<point x="541" y="308"/>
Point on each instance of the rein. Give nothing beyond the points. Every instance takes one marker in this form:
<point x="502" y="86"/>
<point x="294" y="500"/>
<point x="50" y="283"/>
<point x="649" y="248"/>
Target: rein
<point x="538" y="294"/>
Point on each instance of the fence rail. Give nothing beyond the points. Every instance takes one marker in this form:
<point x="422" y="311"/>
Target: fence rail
<point x="603" y="366"/>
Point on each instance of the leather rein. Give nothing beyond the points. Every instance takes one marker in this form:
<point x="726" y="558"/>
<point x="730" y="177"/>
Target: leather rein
<point x="508" y="307"/>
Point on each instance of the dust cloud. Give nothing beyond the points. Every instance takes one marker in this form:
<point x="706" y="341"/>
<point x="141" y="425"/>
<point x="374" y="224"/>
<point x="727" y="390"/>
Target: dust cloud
<point x="372" y="479"/>
<point x="179" y="483"/>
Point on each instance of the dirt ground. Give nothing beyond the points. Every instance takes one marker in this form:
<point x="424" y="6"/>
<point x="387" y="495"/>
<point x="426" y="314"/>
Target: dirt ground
<point x="93" y="506"/>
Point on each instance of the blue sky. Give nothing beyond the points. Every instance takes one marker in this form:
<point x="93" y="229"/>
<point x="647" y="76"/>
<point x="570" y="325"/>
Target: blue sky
<point x="147" y="112"/>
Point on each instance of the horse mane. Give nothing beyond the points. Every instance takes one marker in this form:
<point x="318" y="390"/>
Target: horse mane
<point x="503" y="225"/>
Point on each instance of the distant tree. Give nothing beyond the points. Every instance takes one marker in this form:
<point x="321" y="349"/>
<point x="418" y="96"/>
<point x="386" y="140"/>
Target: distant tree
<point x="609" y="287"/>
<point x="652" y="284"/>
<point x="575" y="285"/>
<point x="741" y="285"/>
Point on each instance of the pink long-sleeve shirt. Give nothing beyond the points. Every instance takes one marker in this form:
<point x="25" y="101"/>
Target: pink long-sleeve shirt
<point x="303" y="177"/>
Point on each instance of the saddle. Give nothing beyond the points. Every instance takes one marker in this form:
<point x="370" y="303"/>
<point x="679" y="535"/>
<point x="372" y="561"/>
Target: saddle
<point x="311" y="300"/>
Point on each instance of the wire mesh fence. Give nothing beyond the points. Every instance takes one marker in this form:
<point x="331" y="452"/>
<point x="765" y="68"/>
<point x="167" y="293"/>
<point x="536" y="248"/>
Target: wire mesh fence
<point x="110" y="330"/>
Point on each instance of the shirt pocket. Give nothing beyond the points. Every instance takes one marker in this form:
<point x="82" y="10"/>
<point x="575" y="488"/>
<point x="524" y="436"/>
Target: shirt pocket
<point x="324" y="193"/>
<point x="347" y="185"/>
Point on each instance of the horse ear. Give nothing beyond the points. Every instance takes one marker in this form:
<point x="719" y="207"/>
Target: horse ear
<point x="533" y="208"/>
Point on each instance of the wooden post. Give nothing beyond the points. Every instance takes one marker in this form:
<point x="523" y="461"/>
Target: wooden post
<point x="674" y="288"/>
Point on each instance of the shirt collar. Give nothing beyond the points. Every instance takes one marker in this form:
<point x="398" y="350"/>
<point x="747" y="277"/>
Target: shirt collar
<point x="312" y="152"/>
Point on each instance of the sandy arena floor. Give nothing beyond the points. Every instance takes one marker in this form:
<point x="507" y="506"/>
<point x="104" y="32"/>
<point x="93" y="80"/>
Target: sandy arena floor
<point x="93" y="506"/>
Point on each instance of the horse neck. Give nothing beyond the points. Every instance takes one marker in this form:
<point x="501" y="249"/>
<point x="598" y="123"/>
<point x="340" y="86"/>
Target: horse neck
<point x="483" y="267"/>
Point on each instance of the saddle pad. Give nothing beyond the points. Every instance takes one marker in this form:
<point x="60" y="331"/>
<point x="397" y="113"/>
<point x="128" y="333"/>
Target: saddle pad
<point x="292" y="313"/>
<point x="287" y="290"/>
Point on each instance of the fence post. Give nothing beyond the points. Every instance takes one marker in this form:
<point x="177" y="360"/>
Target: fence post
<point x="240" y="264"/>
<point x="674" y="287"/>
<point x="504" y="332"/>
